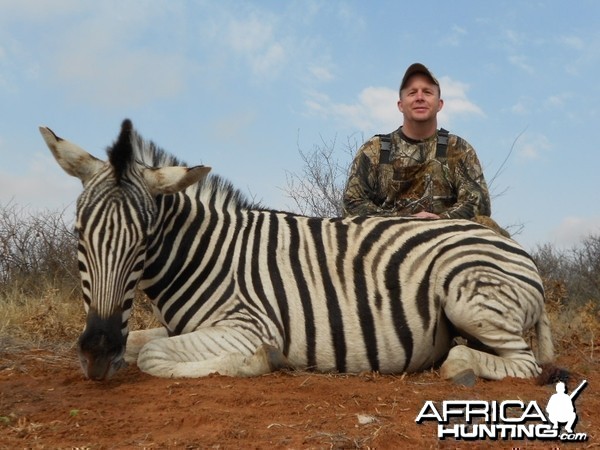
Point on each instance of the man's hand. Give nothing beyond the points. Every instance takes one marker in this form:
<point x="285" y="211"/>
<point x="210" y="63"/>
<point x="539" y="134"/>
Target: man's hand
<point x="425" y="215"/>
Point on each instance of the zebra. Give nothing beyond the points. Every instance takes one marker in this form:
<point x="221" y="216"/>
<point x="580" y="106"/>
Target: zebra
<point x="242" y="290"/>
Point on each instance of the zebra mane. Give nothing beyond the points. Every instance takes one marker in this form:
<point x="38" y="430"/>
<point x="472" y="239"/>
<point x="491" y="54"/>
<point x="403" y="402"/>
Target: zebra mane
<point x="131" y="148"/>
<point x="120" y="154"/>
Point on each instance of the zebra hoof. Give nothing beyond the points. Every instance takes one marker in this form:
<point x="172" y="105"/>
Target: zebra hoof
<point x="552" y="374"/>
<point x="275" y="358"/>
<point x="465" y="378"/>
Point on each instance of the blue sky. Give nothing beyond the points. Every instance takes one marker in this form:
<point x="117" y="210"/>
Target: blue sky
<point x="242" y="85"/>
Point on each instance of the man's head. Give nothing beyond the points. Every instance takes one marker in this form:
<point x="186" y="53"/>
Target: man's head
<point x="419" y="101"/>
<point x="418" y="68"/>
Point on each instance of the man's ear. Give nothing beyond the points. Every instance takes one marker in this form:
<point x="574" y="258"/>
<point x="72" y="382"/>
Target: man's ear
<point x="440" y="105"/>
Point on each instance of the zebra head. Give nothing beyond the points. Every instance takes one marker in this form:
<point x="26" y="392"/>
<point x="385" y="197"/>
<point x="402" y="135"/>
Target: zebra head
<point x="116" y="213"/>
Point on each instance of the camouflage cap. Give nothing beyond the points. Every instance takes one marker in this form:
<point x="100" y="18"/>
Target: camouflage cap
<point x="418" y="68"/>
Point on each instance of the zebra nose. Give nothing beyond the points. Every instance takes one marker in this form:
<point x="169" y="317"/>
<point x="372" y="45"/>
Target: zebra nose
<point x="101" y="368"/>
<point x="93" y="368"/>
<point x="101" y="346"/>
<point x="97" y="375"/>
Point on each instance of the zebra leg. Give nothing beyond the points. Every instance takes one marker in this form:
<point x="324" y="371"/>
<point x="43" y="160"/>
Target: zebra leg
<point x="137" y="339"/>
<point x="513" y="357"/>
<point x="498" y="326"/>
<point x="266" y="359"/>
<point x="464" y="364"/>
<point x="207" y="351"/>
<point x="545" y="346"/>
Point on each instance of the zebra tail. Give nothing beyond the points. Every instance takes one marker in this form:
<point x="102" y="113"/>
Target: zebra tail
<point x="550" y="373"/>
<point x="545" y="346"/>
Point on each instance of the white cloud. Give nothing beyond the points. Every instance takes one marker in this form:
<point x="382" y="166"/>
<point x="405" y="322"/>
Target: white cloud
<point x="532" y="146"/>
<point x="34" y="10"/>
<point x="349" y="16"/>
<point x="573" y="229"/>
<point x="271" y="61"/>
<point x="456" y="101"/>
<point x="321" y="73"/>
<point x="255" y="40"/>
<point x="44" y="186"/>
<point x="110" y="76"/>
<point x="558" y="100"/>
<point x="526" y="105"/>
<point x="454" y="37"/>
<point x="521" y="62"/>
<point x="234" y="126"/>
<point x="379" y="104"/>
<point x="118" y="54"/>
<point x="581" y="53"/>
<point x="102" y="53"/>
<point x="102" y="60"/>
<point x="512" y="36"/>
<point x="250" y="35"/>
<point x="375" y="109"/>
<point x="521" y="107"/>
<point x="572" y="42"/>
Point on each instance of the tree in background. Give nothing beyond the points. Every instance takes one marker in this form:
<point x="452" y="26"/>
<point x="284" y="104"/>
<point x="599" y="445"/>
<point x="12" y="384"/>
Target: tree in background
<point x="318" y="189"/>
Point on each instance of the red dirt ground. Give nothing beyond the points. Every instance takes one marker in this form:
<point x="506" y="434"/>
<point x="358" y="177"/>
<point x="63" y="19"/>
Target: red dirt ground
<point x="46" y="403"/>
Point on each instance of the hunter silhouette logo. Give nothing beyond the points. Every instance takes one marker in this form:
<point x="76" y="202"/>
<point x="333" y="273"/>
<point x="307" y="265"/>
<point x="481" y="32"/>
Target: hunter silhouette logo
<point x="560" y="407"/>
<point x="508" y="419"/>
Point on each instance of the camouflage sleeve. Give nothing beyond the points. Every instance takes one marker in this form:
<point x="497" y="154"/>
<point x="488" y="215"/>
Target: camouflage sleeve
<point x="473" y="197"/>
<point x="361" y="189"/>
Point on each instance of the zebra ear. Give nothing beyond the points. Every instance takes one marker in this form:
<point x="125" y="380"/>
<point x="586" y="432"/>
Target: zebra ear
<point x="168" y="180"/>
<point x="73" y="159"/>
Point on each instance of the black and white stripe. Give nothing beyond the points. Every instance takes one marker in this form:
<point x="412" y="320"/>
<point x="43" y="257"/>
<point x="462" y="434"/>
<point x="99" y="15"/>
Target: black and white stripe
<point x="331" y="294"/>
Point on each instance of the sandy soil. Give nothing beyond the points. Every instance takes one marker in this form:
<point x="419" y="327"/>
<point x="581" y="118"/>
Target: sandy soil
<point x="46" y="403"/>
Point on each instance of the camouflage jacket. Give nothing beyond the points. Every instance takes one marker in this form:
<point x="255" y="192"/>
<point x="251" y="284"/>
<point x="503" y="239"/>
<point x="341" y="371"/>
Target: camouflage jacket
<point x="414" y="180"/>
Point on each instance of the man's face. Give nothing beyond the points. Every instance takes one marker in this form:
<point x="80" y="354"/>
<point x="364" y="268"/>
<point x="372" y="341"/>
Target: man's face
<point x="420" y="99"/>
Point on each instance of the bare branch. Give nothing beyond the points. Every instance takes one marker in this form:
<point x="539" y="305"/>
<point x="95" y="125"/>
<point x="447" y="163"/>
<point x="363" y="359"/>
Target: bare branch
<point x="504" y="162"/>
<point x="318" y="189"/>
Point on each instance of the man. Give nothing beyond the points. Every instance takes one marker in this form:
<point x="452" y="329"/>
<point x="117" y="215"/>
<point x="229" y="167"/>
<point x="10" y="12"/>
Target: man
<point x="416" y="176"/>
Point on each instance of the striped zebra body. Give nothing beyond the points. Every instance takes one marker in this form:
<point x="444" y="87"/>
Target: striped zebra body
<point x="243" y="290"/>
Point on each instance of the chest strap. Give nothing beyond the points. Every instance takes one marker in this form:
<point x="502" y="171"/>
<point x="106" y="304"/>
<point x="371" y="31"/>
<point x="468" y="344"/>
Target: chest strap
<point x="440" y="151"/>
<point x="442" y="145"/>
<point x="385" y="148"/>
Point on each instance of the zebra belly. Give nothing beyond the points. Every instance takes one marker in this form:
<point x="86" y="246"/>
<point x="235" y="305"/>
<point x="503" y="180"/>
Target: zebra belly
<point x="427" y="348"/>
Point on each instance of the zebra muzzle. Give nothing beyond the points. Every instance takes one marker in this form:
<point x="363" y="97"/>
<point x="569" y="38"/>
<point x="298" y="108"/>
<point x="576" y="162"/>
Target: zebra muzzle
<point x="101" y="346"/>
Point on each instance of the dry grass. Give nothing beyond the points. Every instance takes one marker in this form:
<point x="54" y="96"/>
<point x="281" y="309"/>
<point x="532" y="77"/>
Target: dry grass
<point x="55" y="320"/>
<point x="575" y="328"/>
